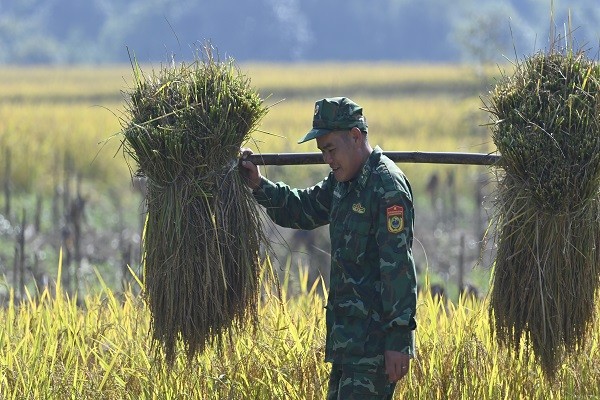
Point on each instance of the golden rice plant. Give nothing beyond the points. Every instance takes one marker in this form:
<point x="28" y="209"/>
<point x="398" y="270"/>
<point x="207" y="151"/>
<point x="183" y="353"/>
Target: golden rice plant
<point x="546" y="125"/>
<point x="184" y="126"/>
<point x="53" y="348"/>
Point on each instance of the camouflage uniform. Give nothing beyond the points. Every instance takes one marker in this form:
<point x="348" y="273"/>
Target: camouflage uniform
<point x="372" y="292"/>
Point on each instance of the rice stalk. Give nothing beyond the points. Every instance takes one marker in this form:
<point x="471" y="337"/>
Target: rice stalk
<point x="546" y="125"/>
<point x="184" y="127"/>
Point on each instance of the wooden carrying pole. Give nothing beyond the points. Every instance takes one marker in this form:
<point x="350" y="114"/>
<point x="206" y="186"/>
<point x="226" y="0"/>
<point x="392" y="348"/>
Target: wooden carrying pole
<point x="396" y="156"/>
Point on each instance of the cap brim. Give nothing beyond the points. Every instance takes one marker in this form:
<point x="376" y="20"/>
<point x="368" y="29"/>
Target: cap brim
<point x="313" y="134"/>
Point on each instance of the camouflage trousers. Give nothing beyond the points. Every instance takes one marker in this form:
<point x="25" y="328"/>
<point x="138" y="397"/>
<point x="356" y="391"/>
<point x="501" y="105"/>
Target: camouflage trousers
<point x="351" y="382"/>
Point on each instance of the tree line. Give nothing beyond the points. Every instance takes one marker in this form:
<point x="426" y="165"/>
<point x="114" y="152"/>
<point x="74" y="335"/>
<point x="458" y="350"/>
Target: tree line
<point x="111" y="31"/>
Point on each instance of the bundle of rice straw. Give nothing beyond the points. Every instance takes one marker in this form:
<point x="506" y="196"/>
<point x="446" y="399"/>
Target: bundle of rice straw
<point x="546" y="125"/>
<point x="184" y="128"/>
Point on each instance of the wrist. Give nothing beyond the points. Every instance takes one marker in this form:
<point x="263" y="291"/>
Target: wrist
<point x="256" y="185"/>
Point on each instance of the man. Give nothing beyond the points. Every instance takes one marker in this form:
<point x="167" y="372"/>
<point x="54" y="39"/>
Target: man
<point x="367" y="202"/>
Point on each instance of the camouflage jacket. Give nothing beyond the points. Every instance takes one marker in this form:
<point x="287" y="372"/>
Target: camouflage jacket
<point x="372" y="292"/>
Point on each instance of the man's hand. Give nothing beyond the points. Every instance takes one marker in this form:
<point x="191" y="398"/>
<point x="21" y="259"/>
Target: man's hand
<point x="396" y="365"/>
<point x="249" y="171"/>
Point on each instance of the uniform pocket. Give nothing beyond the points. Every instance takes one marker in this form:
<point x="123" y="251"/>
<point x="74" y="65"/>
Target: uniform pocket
<point x="349" y="331"/>
<point x="355" y="239"/>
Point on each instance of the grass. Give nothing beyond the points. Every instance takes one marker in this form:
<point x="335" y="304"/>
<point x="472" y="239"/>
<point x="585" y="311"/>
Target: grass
<point x="51" y="348"/>
<point x="65" y="85"/>
<point x="390" y="78"/>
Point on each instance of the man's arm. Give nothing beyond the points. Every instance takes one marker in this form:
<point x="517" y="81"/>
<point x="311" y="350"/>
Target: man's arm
<point x="287" y="207"/>
<point x="399" y="287"/>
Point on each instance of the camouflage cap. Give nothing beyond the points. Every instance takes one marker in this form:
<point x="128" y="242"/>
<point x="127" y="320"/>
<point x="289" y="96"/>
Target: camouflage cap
<point x="335" y="113"/>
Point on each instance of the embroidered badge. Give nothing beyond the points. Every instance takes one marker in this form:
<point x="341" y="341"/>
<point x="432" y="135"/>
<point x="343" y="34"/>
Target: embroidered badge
<point x="316" y="109"/>
<point x="395" y="219"/>
<point x="358" y="208"/>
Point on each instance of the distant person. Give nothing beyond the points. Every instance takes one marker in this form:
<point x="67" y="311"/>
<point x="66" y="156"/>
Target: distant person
<point x="367" y="202"/>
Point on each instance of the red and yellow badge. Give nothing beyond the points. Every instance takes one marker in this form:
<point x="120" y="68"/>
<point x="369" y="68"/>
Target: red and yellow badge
<point x="395" y="219"/>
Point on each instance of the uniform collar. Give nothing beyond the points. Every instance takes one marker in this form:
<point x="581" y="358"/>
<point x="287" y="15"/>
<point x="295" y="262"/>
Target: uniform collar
<point x="360" y="182"/>
<point x="368" y="166"/>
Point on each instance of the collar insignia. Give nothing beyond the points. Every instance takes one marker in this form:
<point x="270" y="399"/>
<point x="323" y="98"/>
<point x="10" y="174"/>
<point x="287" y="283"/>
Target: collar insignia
<point x="358" y="208"/>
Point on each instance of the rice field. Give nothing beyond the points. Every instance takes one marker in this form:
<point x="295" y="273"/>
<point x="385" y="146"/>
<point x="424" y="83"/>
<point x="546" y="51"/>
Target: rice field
<point x="424" y="108"/>
<point x="52" y="348"/>
<point x="98" y="345"/>
<point x="58" y="116"/>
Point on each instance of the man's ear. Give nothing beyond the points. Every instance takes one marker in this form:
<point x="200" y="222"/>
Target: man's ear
<point x="356" y="135"/>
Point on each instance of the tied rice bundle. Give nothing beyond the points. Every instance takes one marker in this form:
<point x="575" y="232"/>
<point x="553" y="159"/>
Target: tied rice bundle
<point x="546" y="125"/>
<point x="203" y="233"/>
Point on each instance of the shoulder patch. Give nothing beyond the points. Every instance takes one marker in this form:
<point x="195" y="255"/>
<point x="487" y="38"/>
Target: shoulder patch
<point x="395" y="219"/>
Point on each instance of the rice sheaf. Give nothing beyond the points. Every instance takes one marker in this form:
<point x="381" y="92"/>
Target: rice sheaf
<point x="546" y="126"/>
<point x="183" y="127"/>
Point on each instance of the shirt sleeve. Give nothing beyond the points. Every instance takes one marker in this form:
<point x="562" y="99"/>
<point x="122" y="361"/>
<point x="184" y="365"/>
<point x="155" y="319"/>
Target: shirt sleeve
<point x="395" y="224"/>
<point x="296" y="208"/>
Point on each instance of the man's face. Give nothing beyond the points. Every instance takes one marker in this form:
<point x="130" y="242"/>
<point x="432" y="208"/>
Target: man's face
<point x="341" y="151"/>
